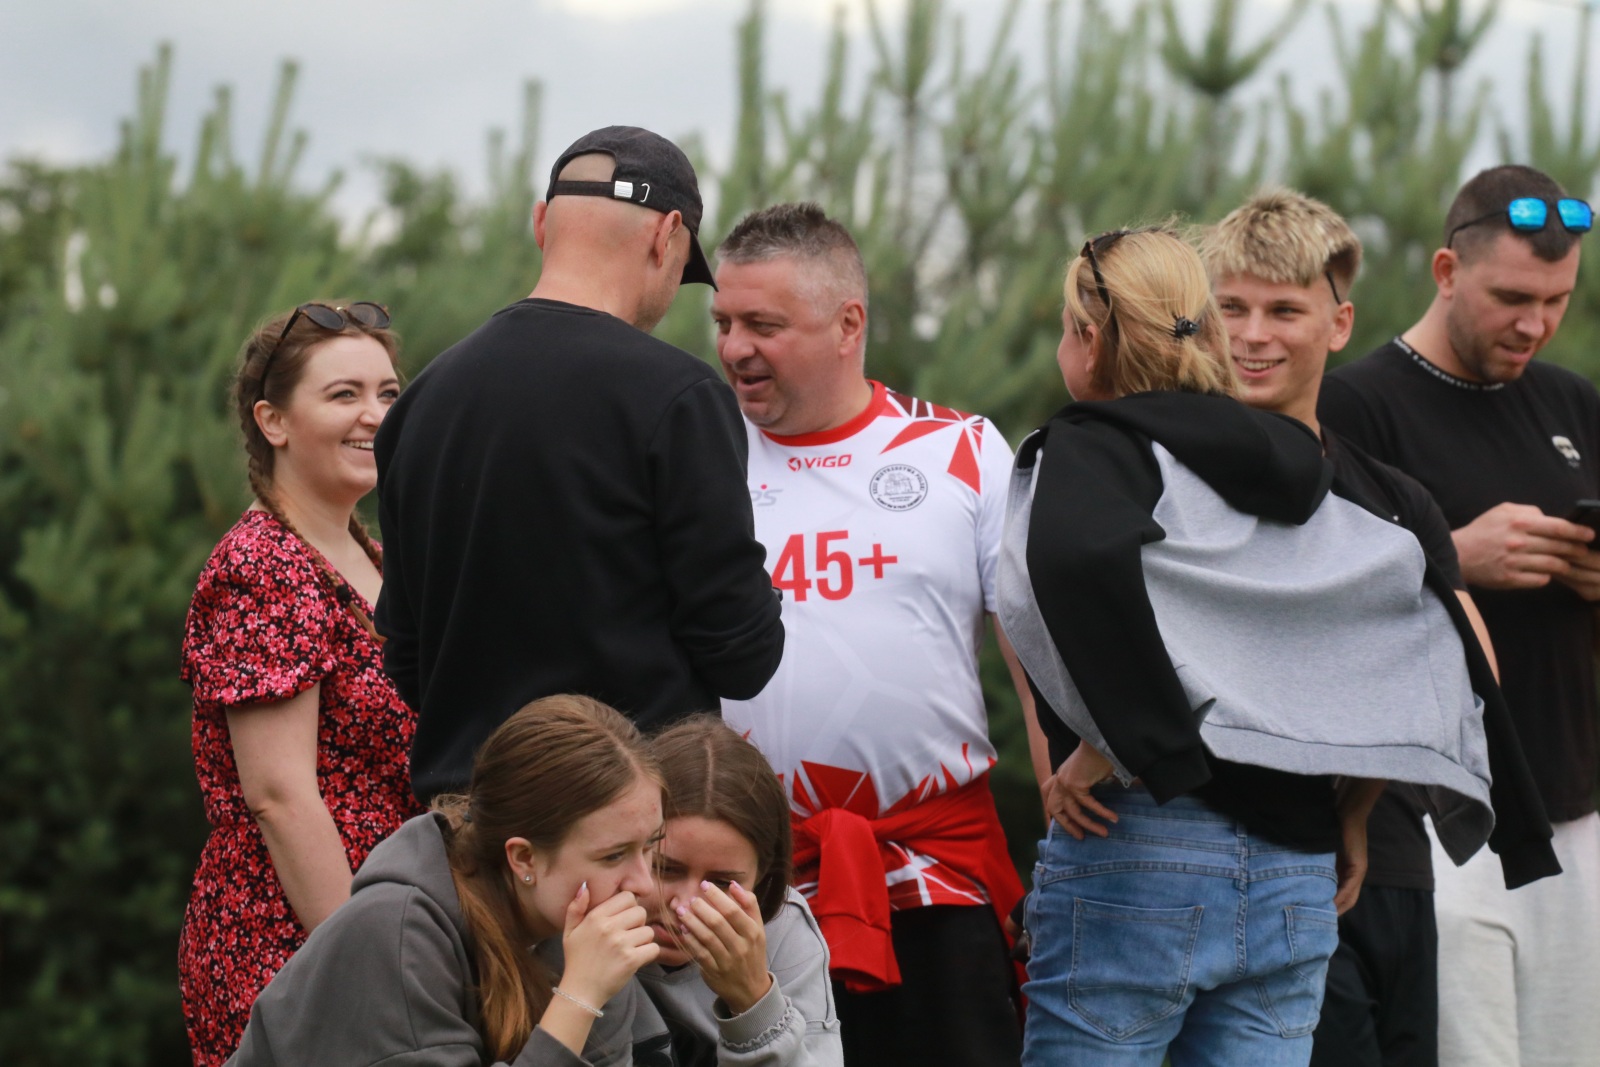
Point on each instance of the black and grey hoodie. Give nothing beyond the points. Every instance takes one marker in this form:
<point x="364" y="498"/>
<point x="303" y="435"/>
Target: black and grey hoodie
<point x="1182" y="574"/>
<point x="388" y="978"/>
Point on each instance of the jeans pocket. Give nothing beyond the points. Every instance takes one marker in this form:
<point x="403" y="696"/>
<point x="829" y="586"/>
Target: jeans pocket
<point x="1293" y="994"/>
<point x="1130" y="966"/>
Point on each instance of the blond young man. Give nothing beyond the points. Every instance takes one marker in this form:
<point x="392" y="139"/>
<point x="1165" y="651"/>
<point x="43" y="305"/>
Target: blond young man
<point x="1507" y="444"/>
<point x="1282" y="267"/>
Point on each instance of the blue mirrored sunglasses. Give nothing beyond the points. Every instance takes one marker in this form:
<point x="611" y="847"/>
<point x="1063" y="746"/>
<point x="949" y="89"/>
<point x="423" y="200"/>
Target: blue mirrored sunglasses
<point x="1529" y="214"/>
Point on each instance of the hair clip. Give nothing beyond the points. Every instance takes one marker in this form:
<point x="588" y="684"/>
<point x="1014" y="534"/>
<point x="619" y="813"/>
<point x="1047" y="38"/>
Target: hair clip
<point x="1184" y="327"/>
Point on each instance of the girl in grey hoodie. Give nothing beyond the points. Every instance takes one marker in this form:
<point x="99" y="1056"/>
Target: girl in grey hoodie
<point x="450" y="949"/>
<point x="742" y="979"/>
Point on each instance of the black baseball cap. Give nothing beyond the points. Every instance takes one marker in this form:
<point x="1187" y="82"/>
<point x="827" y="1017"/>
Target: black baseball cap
<point x="650" y="171"/>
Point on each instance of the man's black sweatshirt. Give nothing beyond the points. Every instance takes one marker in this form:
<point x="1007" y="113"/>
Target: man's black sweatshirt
<point x="564" y="510"/>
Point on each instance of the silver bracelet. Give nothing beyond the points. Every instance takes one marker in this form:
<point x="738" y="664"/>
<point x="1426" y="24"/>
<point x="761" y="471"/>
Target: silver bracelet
<point x="590" y="1008"/>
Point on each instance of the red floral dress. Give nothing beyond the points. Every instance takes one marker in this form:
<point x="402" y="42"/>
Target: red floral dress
<point x="262" y="627"/>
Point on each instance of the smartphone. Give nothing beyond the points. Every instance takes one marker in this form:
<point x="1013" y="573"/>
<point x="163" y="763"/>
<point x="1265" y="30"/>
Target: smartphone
<point x="1586" y="513"/>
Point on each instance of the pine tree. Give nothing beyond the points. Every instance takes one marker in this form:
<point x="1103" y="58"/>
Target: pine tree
<point x="119" y="471"/>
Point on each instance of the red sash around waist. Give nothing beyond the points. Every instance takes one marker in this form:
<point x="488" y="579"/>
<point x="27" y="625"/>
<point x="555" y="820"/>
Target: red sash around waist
<point x="960" y="829"/>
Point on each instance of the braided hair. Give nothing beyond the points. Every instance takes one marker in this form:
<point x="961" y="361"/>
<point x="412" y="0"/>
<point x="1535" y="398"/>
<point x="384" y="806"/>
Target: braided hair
<point x="270" y="370"/>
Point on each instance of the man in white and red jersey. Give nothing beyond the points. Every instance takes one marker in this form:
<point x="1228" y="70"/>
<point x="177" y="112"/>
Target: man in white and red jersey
<point x="881" y="515"/>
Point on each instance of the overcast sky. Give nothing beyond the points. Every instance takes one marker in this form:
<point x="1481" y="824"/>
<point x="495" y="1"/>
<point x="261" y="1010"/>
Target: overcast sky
<point x="426" y="79"/>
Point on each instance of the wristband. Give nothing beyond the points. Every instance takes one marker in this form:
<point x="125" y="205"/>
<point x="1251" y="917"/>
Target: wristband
<point x="590" y="1008"/>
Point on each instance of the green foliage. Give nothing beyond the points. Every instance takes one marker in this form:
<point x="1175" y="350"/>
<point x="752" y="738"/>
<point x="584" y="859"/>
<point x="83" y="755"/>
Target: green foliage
<point x="1570" y="156"/>
<point x="1444" y="32"/>
<point x="126" y="289"/>
<point x="123" y="300"/>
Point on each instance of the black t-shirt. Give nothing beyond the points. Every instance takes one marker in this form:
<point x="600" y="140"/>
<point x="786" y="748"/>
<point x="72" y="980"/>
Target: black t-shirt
<point x="1297" y="810"/>
<point x="1532" y="441"/>
<point x="1398" y="852"/>
<point x="565" y="511"/>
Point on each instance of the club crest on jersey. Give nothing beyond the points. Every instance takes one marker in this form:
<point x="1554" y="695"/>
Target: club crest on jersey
<point x="899" y="487"/>
<point x="1564" y="446"/>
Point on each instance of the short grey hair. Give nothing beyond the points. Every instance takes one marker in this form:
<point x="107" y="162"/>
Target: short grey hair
<point x="799" y="231"/>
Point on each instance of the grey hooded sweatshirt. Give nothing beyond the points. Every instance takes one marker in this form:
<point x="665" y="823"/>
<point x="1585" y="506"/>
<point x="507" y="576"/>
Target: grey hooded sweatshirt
<point x="388" y="978"/>
<point x="794" y="1025"/>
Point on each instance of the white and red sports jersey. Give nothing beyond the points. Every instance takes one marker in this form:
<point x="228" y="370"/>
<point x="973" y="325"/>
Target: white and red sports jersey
<point x="883" y="535"/>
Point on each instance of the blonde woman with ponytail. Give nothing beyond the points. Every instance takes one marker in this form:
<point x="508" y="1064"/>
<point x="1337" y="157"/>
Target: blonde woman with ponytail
<point x="301" y="743"/>
<point x="502" y="927"/>
<point x="1229" y="653"/>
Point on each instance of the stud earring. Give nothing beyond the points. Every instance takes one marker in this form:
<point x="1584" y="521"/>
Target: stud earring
<point x="528" y="878"/>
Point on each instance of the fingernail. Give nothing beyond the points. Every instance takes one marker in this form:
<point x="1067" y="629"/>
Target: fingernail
<point x="705" y="887"/>
<point x="735" y="885"/>
<point x="682" y="909"/>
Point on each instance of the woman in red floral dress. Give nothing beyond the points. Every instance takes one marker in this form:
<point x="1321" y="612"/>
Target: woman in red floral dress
<point x="301" y="742"/>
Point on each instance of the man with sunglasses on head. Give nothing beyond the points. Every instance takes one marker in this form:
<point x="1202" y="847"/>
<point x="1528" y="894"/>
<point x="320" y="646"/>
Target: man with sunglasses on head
<point x="562" y="495"/>
<point x="1507" y="446"/>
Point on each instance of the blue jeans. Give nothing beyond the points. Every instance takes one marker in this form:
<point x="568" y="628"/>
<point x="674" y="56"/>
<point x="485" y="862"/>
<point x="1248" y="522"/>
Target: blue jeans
<point x="1181" y="934"/>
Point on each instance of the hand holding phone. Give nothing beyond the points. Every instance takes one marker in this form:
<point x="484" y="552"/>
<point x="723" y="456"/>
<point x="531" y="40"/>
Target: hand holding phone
<point x="1518" y="546"/>
<point x="1586" y="513"/>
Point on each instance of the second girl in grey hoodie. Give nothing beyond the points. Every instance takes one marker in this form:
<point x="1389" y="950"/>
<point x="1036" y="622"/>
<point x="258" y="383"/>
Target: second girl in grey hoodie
<point x="742" y="980"/>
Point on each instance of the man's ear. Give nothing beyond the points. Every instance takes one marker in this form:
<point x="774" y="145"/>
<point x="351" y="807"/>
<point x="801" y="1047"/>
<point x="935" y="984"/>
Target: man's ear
<point x="852" y="327"/>
<point x="270" y="421"/>
<point x="660" y="246"/>
<point x="1344" y="323"/>
<point x="1446" y="269"/>
<point x="540" y="210"/>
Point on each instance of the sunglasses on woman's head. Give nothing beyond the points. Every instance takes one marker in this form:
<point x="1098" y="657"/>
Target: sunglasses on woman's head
<point x="1104" y="243"/>
<point x="1530" y="214"/>
<point x="362" y="313"/>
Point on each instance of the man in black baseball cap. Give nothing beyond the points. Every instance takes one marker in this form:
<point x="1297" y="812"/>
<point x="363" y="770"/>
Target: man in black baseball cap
<point x="563" y="496"/>
<point x="648" y="170"/>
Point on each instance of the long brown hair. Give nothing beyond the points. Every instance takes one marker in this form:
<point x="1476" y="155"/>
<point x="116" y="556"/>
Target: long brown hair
<point x="712" y="772"/>
<point x="543" y="769"/>
<point x="270" y="371"/>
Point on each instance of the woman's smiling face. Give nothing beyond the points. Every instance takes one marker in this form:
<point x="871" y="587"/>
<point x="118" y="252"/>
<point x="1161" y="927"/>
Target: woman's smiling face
<point x="323" y="437"/>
